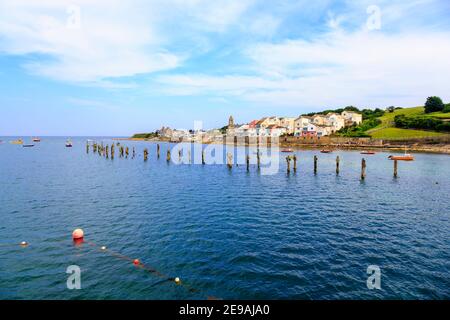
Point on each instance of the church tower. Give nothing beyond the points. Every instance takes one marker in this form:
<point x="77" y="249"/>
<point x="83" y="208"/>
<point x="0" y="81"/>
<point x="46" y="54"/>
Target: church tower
<point x="231" y="123"/>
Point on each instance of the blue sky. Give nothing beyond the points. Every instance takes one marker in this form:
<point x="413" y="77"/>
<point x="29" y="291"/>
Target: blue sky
<point x="113" y="68"/>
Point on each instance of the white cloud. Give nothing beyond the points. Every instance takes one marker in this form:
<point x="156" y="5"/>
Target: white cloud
<point x="361" y="68"/>
<point x="106" y="44"/>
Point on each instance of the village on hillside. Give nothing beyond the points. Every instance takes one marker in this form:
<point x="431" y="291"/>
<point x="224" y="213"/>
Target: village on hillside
<point x="317" y="125"/>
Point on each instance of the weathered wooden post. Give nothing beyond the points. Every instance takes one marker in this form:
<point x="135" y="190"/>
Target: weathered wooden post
<point x="338" y="160"/>
<point x="395" y="168"/>
<point x="107" y="151"/>
<point x="179" y="155"/>
<point x="127" y="151"/>
<point x="168" y="155"/>
<point x="94" y="147"/>
<point x="134" y="153"/>
<point x="87" y="147"/>
<point x="294" y="157"/>
<point x="189" y="156"/>
<point x="112" y="151"/>
<point x="229" y="160"/>
<point x="203" y="157"/>
<point x="258" y="159"/>
<point x="145" y="154"/>
<point x="121" y="151"/>
<point x="247" y="160"/>
<point x="315" y="164"/>
<point x="288" y="162"/>
<point x="363" y="169"/>
<point x="157" y="150"/>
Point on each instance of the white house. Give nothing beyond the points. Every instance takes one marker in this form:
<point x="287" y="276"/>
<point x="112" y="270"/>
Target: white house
<point x="336" y="121"/>
<point x="300" y="123"/>
<point x="275" y="131"/>
<point x="353" y="117"/>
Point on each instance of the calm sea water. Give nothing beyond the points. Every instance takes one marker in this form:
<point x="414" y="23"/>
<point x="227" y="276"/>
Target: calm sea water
<point x="230" y="235"/>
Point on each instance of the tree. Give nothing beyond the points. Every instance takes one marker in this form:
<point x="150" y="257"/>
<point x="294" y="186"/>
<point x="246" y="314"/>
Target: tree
<point x="446" y="108"/>
<point x="434" y="104"/>
<point x="391" y="109"/>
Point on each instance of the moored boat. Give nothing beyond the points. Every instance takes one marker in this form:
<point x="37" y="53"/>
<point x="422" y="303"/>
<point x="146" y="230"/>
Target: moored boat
<point x="28" y="145"/>
<point x="287" y="150"/>
<point x="36" y="140"/>
<point x="368" y="152"/>
<point x="68" y="143"/>
<point x="18" y="141"/>
<point x="405" y="157"/>
<point x="325" y="151"/>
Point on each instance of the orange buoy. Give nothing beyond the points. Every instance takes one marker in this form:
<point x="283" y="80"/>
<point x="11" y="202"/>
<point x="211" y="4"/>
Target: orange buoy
<point x="77" y="234"/>
<point x="136" y="262"/>
<point x="24" y="244"/>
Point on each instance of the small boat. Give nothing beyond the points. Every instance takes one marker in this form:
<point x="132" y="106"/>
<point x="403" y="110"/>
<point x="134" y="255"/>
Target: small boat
<point x="18" y="141"/>
<point x="68" y="144"/>
<point x="325" y="151"/>
<point x="36" y="140"/>
<point x="368" y="152"/>
<point x="28" y="145"/>
<point x="405" y="157"/>
<point x="287" y="150"/>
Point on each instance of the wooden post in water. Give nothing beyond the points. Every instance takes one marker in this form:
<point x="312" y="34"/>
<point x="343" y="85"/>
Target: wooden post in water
<point x="121" y="151"/>
<point x="168" y="155"/>
<point x="315" y="164"/>
<point x="157" y="150"/>
<point x="87" y="147"/>
<point x="203" y="157"/>
<point x="247" y="160"/>
<point x="229" y="160"/>
<point x="258" y="159"/>
<point x="189" y="156"/>
<point x="288" y="162"/>
<point x="294" y="157"/>
<point x="127" y="152"/>
<point x="363" y="169"/>
<point x="134" y="153"/>
<point x="145" y="154"/>
<point x="94" y="147"/>
<point x="107" y="151"/>
<point x="179" y="155"/>
<point x="338" y="160"/>
<point x="395" y="168"/>
<point x="112" y="151"/>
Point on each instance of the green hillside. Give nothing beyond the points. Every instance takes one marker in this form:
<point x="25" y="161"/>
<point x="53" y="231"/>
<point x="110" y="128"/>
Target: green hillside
<point x="387" y="130"/>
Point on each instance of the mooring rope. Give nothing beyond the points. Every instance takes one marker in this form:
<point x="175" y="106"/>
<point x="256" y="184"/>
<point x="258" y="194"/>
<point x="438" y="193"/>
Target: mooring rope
<point x="136" y="262"/>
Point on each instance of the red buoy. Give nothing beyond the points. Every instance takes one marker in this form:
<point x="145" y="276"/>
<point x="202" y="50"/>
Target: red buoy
<point x="136" y="262"/>
<point x="77" y="234"/>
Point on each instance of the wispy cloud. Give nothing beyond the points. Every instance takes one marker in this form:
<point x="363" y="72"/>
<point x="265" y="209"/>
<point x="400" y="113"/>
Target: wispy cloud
<point x="282" y="53"/>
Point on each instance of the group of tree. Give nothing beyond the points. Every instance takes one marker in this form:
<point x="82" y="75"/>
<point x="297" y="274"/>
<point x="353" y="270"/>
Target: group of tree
<point x="366" y="113"/>
<point x="421" y="122"/>
<point x="359" y="130"/>
<point x="435" y="104"/>
<point x="145" y="135"/>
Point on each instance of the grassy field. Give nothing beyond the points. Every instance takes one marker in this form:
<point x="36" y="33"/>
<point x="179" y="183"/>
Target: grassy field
<point x="386" y="130"/>
<point x="398" y="133"/>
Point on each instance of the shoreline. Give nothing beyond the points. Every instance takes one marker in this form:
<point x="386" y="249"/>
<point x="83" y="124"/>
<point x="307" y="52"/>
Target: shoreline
<point x="417" y="148"/>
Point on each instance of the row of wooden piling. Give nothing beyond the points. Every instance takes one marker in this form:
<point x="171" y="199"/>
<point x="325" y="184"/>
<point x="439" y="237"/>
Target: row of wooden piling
<point x="338" y="160"/>
<point x="106" y="151"/>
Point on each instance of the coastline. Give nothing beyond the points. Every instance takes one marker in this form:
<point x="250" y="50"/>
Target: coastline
<point x="416" y="147"/>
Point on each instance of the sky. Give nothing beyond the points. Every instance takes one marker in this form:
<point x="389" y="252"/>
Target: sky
<point x="110" y="67"/>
